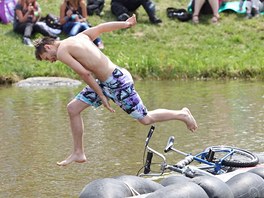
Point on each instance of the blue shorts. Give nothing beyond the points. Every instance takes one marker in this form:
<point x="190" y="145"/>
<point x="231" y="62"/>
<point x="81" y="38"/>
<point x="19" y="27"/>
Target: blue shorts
<point x="119" y="87"/>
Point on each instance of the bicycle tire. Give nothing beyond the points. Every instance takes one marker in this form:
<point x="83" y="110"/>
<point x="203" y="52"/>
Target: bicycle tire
<point x="240" y="158"/>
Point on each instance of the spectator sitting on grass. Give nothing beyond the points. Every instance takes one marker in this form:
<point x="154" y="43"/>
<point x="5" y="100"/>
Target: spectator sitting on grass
<point x="206" y="7"/>
<point x="73" y="18"/>
<point x="27" y="14"/>
<point x="253" y="7"/>
<point x="122" y="9"/>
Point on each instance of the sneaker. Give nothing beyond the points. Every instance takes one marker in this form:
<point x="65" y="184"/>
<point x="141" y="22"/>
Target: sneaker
<point x="155" y="20"/>
<point x="27" y="42"/>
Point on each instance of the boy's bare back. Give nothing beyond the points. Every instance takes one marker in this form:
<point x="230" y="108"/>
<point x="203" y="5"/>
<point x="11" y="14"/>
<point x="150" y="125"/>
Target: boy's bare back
<point x="80" y="51"/>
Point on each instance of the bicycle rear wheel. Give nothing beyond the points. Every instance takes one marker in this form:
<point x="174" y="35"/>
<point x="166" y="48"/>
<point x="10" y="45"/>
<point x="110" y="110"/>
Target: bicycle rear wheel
<point x="240" y="157"/>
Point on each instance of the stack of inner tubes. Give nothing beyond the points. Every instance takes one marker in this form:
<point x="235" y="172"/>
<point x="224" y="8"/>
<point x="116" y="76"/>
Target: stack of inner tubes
<point x="244" y="183"/>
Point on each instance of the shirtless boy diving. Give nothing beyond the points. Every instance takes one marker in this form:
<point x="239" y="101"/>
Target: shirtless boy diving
<point x="115" y="83"/>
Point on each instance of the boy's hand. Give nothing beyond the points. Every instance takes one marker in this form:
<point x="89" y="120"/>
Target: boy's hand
<point x="132" y="21"/>
<point x="106" y="104"/>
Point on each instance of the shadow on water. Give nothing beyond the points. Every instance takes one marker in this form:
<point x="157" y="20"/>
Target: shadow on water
<point x="35" y="132"/>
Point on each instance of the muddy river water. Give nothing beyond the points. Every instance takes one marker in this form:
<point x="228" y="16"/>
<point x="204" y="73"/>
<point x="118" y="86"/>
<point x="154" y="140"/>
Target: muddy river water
<point x="35" y="132"/>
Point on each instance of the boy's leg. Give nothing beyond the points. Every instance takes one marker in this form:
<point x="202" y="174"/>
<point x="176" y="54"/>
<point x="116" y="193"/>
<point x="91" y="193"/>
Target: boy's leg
<point x="129" y="100"/>
<point x="160" y="115"/>
<point x="75" y="107"/>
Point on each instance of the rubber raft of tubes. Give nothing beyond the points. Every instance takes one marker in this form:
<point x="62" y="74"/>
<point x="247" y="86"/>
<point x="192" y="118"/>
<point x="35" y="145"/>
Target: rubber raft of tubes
<point x="241" y="183"/>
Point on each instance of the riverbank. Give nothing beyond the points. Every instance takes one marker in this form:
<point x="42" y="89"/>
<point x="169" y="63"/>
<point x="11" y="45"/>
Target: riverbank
<point x="172" y="50"/>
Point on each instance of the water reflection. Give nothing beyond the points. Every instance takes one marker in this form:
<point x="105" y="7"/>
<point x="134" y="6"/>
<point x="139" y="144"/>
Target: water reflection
<point x="35" y="132"/>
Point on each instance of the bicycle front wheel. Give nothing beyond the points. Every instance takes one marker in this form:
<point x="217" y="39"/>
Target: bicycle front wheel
<point x="239" y="157"/>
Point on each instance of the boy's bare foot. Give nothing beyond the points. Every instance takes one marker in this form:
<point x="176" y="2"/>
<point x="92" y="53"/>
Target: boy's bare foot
<point x="190" y="121"/>
<point x="79" y="158"/>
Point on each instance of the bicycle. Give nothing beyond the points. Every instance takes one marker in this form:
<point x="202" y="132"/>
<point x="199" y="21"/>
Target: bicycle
<point x="214" y="160"/>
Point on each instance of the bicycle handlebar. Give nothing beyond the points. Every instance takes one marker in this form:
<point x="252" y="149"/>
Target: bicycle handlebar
<point x="151" y="130"/>
<point x="169" y="144"/>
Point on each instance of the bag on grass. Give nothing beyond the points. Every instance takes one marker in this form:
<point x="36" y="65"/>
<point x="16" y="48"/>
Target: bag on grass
<point x="7" y="11"/>
<point x="180" y="14"/>
<point x="53" y="21"/>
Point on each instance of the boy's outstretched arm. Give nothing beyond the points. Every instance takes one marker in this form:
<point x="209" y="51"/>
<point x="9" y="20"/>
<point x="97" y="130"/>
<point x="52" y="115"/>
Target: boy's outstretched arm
<point x="95" y="31"/>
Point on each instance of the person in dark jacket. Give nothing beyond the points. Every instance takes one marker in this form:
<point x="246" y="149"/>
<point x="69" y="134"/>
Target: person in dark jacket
<point x="123" y="9"/>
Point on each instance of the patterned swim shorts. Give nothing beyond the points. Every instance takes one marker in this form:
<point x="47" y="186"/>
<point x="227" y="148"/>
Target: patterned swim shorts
<point x="119" y="87"/>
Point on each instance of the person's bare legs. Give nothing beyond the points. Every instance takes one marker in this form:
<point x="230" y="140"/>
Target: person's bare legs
<point x="197" y="8"/>
<point x="215" y="7"/>
<point x="160" y="115"/>
<point x="75" y="107"/>
<point x="248" y="9"/>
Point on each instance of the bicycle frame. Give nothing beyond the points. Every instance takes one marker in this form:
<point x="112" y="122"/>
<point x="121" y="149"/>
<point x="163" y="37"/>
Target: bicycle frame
<point x="186" y="170"/>
<point x="205" y="157"/>
<point x="215" y="167"/>
<point x="201" y="158"/>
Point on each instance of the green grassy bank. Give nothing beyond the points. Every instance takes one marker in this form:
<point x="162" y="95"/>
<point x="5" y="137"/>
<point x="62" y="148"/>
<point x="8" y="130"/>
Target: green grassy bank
<point x="173" y="50"/>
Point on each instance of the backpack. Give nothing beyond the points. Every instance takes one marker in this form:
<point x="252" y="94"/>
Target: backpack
<point x="95" y="6"/>
<point x="7" y="10"/>
<point x="52" y="21"/>
<point x="181" y="14"/>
